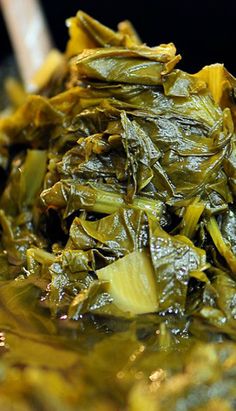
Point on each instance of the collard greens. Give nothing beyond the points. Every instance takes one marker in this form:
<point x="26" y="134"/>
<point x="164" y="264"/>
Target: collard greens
<point x="118" y="184"/>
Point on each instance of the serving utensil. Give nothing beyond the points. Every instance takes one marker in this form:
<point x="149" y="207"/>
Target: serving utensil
<point x="29" y="34"/>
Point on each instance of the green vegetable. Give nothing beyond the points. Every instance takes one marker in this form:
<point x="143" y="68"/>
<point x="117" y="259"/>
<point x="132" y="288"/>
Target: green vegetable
<point x="117" y="232"/>
<point x="71" y="196"/>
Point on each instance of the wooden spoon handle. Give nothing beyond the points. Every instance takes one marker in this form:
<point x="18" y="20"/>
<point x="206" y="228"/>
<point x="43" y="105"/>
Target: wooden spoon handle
<point x="29" y="34"/>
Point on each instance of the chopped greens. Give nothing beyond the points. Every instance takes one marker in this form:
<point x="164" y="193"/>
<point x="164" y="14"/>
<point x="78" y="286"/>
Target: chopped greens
<point x="118" y="231"/>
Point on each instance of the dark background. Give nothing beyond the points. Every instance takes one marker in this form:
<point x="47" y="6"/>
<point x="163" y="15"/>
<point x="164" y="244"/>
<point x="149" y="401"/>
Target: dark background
<point x="204" y="32"/>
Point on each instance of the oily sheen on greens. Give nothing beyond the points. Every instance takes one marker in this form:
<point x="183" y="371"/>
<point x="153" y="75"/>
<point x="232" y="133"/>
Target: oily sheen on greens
<point x="118" y="238"/>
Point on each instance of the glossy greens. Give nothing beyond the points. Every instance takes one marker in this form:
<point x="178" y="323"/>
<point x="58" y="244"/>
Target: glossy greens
<point x="118" y="238"/>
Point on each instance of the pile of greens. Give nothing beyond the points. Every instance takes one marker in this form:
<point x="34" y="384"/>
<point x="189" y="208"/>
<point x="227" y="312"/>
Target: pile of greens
<point x="118" y="232"/>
